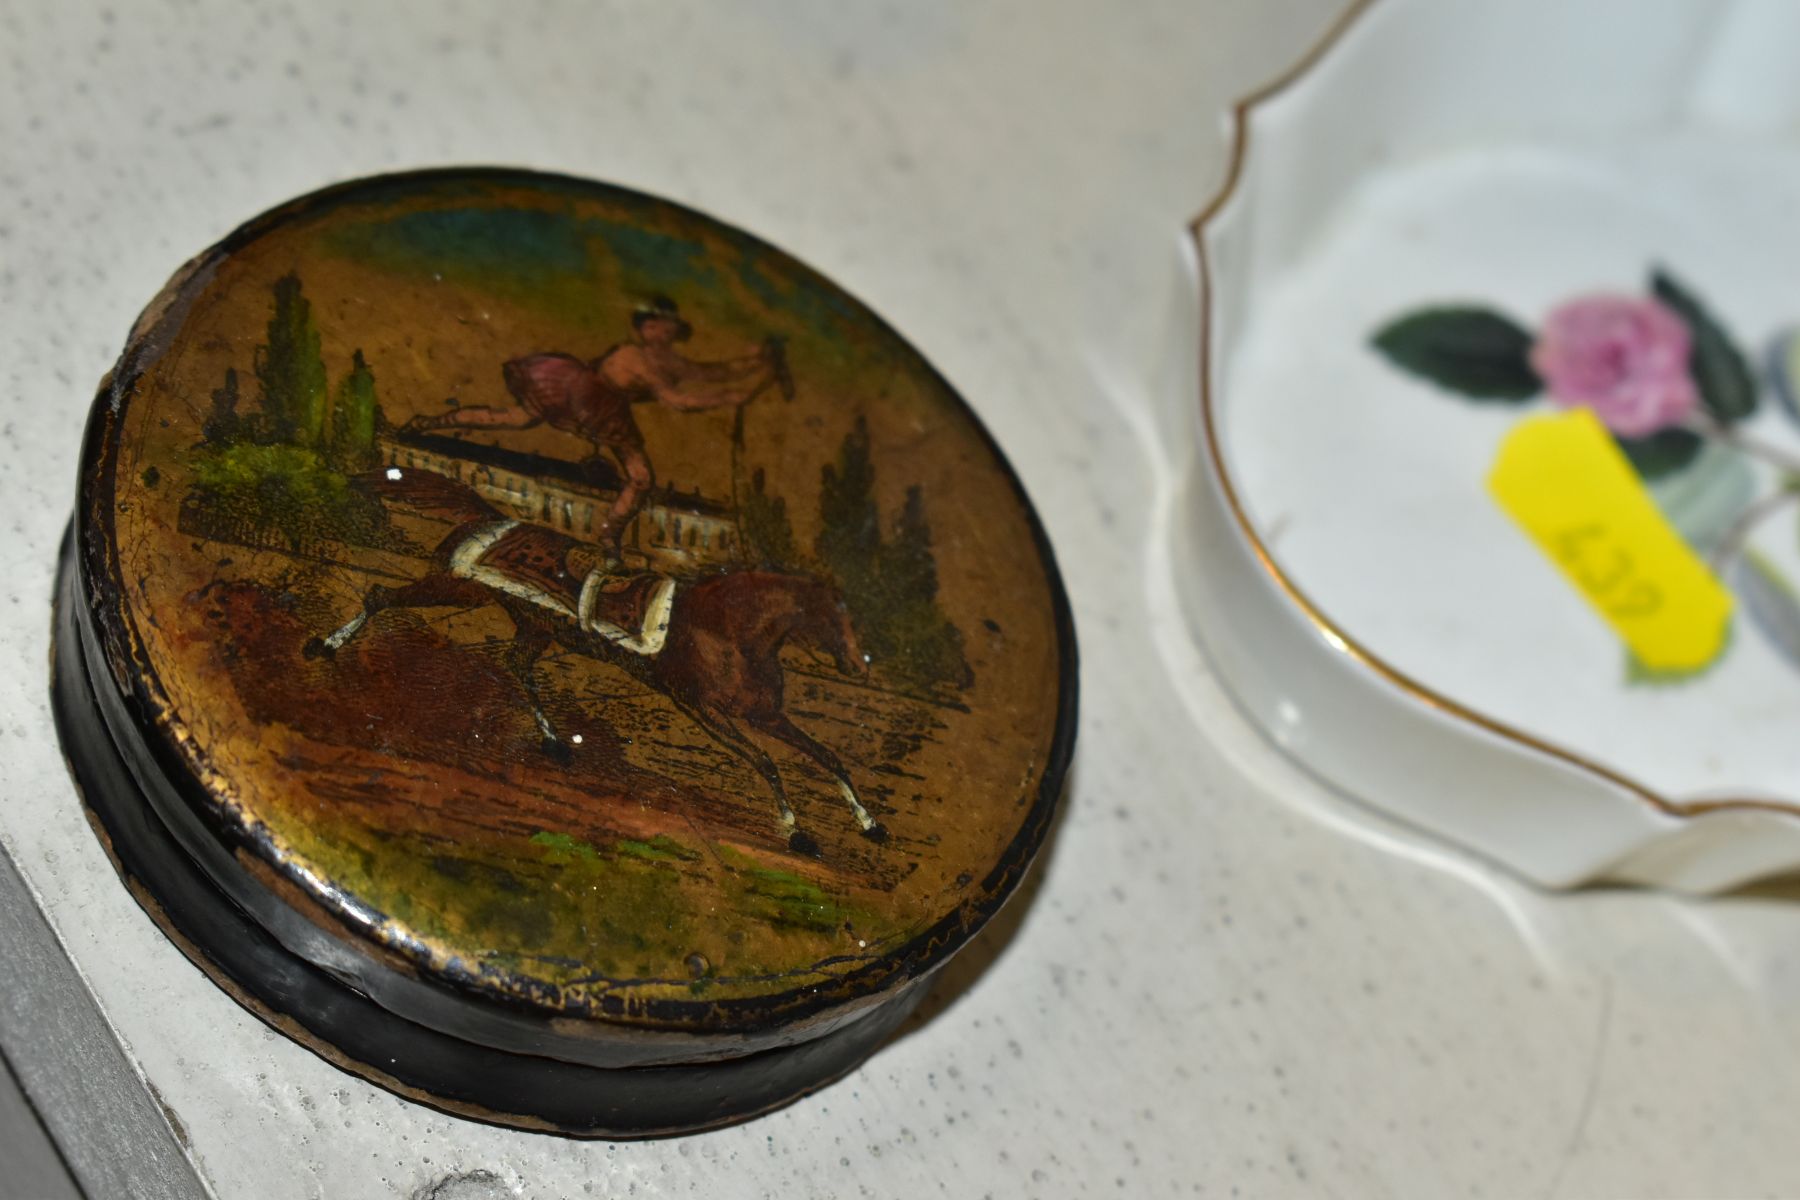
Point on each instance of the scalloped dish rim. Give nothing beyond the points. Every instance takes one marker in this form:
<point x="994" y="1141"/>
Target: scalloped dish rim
<point x="1214" y="460"/>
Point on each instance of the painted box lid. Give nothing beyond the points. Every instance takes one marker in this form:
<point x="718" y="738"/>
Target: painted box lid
<point x="551" y="652"/>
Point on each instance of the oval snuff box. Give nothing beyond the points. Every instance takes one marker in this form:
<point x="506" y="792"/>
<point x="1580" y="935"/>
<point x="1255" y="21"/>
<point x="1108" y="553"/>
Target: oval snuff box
<point x="552" y="654"/>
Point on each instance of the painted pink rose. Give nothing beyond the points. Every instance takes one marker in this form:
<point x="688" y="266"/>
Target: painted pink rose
<point x="1625" y="357"/>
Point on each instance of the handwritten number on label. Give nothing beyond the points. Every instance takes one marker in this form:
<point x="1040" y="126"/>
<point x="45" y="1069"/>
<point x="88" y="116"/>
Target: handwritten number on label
<point x="1607" y="571"/>
<point x="1563" y="480"/>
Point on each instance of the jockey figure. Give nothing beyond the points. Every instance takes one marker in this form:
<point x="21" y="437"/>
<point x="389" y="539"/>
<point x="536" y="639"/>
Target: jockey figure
<point x="593" y="399"/>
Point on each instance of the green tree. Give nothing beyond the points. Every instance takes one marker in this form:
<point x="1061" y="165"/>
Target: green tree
<point x="849" y="540"/>
<point x="354" y="418"/>
<point x="291" y="370"/>
<point x="224" y="423"/>
<point x="913" y="634"/>
<point x="907" y="567"/>
<point x="890" y="585"/>
<point x="768" y="535"/>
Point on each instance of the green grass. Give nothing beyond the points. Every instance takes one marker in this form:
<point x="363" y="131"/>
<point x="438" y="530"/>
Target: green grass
<point x="661" y="848"/>
<point x="785" y="898"/>
<point x="557" y="908"/>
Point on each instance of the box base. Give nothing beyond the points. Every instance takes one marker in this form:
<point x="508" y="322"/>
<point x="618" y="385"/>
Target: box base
<point x="356" y="1034"/>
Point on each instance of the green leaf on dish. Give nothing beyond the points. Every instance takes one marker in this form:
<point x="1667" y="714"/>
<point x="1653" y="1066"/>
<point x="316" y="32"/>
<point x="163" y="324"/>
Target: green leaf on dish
<point x="1472" y="351"/>
<point x="1705" y="500"/>
<point x="1771" y="601"/>
<point x="1784" y="372"/>
<point x="1727" y="387"/>
<point x="1661" y="453"/>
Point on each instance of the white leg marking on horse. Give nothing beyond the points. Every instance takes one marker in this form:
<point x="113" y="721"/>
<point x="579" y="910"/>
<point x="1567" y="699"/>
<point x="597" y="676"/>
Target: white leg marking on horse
<point x="347" y="630"/>
<point x="787" y="815"/>
<point x="543" y="724"/>
<point x="862" y="814"/>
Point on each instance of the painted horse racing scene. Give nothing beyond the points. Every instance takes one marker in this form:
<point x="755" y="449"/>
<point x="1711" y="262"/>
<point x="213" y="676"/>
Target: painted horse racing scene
<point x="601" y="598"/>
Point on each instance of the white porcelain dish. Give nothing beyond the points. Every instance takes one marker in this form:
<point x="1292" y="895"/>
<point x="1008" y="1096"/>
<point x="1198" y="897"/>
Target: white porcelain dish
<point x="1338" y="553"/>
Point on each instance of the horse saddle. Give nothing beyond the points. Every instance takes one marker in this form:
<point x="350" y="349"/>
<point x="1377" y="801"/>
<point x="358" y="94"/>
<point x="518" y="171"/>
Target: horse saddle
<point x="559" y="573"/>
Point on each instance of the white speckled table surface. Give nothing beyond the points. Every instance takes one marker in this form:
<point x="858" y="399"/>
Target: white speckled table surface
<point x="1225" y="980"/>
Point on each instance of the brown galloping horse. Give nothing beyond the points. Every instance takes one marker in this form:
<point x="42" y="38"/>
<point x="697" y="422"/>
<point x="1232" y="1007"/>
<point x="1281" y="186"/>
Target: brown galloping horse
<point x="715" y="651"/>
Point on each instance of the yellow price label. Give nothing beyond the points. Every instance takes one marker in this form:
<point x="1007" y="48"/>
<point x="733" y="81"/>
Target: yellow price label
<point x="1567" y="484"/>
